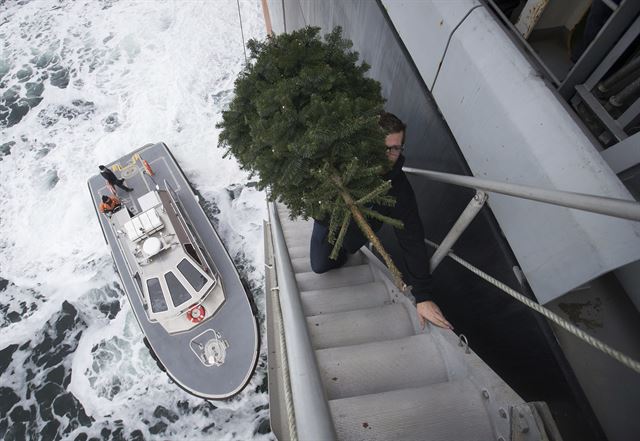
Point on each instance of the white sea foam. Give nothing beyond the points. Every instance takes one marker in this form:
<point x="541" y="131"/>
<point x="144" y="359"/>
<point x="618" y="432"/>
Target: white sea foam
<point x="139" y="72"/>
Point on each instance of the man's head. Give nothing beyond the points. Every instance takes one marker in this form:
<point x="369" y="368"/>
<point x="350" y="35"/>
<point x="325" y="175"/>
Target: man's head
<point x="102" y="167"/>
<point x="394" y="140"/>
<point x="105" y="198"/>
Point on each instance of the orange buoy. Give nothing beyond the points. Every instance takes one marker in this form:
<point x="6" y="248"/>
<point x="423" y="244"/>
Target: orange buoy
<point x="147" y="168"/>
<point x="196" y="314"/>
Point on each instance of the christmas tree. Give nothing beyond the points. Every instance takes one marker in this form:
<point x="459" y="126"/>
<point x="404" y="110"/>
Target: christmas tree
<point x="305" y="120"/>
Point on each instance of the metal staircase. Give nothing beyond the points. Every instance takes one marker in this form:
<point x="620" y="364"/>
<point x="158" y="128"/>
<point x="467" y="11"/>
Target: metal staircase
<point x="382" y="377"/>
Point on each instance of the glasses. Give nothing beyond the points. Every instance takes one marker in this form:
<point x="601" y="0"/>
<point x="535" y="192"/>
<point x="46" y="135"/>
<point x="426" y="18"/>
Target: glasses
<point x="395" y="148"/>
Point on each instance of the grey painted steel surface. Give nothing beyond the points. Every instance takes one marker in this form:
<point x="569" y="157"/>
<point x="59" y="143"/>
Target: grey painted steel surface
<point x="313" y="419"/>
<point x="430" y="144"/>
<point x="626" y="209"/>
<point x="624" y="155"/>
<point x="358" y="371"/>
<point x="611" y="58"/>
<point x="234" y="320"/>
<point x="630" y="114"/>
<point x="543" y="240"/>
<point x="326" y="301"/>
<point x="453" y="411"/>
<point x="384" y="377"/>
<point x="598" y="49"/>
<point x="511" y="127"/>
<point x="360" y="326"/>
<point x="604" y="116"/>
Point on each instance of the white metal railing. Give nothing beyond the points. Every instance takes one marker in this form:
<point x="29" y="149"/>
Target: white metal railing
<point x="596" y="204"/>
<point x="313" y="418"/>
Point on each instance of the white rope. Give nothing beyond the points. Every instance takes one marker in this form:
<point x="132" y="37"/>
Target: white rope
<point x="622" y="358"/>
<point x="293" y="430"/>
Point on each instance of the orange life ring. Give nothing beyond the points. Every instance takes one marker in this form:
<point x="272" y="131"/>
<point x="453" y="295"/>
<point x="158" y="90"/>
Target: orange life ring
<point x="147" y="167"/>
<point x="196" y="314"/>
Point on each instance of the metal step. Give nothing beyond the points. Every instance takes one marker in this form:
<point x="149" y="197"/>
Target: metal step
<point x="297" y="239"/>
<point x="348" y="298"/>
<point x="297" y="224"/>
<point x="383" y="366"/>
<point x="354" y="275"/>
<point x="298" y="234"/>
<point x="348" y="328"/>
<point x="303" y="264"/>
<point x="283" y="214"/>
<point x="440" y="412"/>
<point x="298" y="252"/>
<point x="382" y="381"/>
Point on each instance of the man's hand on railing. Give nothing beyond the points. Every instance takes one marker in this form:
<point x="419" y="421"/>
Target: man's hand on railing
<point x="429" y="311"/>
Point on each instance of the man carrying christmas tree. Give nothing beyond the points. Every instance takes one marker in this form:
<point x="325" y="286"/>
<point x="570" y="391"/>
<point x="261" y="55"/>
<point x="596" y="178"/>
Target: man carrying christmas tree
<point x="410" y="238"/>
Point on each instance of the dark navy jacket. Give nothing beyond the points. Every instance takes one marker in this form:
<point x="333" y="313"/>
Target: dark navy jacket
<point x="414" y="257"/>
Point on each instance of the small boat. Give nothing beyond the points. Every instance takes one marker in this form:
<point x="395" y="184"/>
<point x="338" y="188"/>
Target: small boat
<point x="184" y="289"/>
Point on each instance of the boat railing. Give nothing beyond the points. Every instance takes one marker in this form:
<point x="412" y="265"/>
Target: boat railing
<point x="620" y="208"/>
<point x="312" y="416"/>
<point x="186" y="224"/>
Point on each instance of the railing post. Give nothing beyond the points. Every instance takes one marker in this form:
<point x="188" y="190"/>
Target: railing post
<point x="473" y="208"/>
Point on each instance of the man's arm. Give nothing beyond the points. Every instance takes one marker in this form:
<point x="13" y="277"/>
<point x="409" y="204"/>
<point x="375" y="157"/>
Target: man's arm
<point x="416" y="258"/>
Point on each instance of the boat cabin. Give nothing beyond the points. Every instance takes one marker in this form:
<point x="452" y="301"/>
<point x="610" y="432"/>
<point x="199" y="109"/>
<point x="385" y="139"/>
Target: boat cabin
<point x="171" y="271"/>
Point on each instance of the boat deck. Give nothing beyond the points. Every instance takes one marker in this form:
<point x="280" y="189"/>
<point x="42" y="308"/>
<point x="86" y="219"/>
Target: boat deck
<point x="234" y="321"/>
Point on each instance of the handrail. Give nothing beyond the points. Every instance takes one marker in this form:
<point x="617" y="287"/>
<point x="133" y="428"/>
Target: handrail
<point x="313" y="418"/>
<point x="612" y="207"/>
<point x="621" y="208"/>
<point x="565" y="324"/>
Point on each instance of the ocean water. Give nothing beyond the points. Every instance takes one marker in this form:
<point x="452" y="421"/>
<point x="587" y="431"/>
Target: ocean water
<point x="82" y="83"/>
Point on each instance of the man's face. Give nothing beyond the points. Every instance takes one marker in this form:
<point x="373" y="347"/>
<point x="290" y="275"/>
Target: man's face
<point x="394" y="146"/>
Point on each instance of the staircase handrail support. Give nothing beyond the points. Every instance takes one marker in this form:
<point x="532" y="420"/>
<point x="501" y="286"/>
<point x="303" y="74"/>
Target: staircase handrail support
<point x="313" y="417"/>
<point x="596" y="204"/>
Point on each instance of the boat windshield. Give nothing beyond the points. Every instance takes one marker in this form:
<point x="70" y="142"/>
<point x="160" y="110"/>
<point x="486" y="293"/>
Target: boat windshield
<point x="158" y="304"/>
<point x="195" y="277"/>
<point x="178" y="292"/>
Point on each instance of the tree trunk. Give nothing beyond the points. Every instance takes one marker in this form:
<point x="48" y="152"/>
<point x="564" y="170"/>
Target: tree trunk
<point x="370" y="234"/>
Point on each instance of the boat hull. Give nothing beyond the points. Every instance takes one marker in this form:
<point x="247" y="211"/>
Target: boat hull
<point x="234" y="322"/>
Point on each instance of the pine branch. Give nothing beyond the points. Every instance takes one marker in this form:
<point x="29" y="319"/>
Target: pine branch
<point x="375" y="193"/>
<point x="333" y="223"/>
<point x="343" y="231"/>
<point x="350" y="171"/>
<point x="381" y="217"/>
<point x="387" y="201"/>
<point x="304" y="115"/>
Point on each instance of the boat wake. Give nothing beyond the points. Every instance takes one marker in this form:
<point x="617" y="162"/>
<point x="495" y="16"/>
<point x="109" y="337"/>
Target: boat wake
<point x="80" y="85"/>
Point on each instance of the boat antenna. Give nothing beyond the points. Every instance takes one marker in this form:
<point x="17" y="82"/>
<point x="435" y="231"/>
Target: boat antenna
<point x="242" y="32"/>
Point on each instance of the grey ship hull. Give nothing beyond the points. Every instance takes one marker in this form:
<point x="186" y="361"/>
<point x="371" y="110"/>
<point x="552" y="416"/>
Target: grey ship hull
<point x="234" y="320"/>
